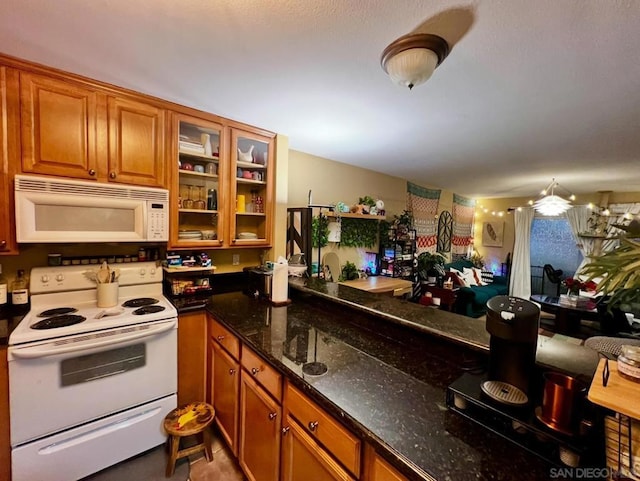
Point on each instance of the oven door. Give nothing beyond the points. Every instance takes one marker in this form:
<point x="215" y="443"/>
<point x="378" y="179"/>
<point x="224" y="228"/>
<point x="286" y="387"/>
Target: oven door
<point x="57" y="384"/>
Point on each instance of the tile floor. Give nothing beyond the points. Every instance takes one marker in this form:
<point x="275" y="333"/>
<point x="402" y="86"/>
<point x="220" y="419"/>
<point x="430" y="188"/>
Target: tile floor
<point x="223" y="467"/>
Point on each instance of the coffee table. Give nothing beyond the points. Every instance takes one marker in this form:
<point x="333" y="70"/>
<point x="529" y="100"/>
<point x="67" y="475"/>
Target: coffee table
<point x="568" y="314"/>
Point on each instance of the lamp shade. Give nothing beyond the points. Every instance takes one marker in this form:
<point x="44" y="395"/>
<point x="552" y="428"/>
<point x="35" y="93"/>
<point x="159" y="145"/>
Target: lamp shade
<point x="551" y="205"/>
<point x="412" y="67"/>
<point x="410" y="60"/>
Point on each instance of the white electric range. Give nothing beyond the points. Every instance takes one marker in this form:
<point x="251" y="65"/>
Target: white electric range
<point x="90" y="386"/>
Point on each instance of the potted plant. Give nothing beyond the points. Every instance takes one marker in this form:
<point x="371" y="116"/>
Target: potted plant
<point x="428" y="264"/>
<point x="402" y="223"/>
<point x="618" y="273"/>
<point x="349" y="272"/>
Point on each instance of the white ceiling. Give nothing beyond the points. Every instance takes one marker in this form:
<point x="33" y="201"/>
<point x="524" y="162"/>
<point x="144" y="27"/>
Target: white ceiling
<point x="531" y="89"/>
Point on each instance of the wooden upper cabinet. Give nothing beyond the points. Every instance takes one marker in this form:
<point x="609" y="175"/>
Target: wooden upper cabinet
<point x="69" y="129"/>
<point x="251" y="190"/>
<point x="59" y="124"/>
<point x="9" y="156"/>
<point x="136" y="143"/>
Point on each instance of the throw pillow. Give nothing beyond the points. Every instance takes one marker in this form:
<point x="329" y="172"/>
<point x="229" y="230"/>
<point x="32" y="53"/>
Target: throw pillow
<point x="457" y="278"/>
<point x="477" y="273"/>
<point x="468" y="276"/>
<point x="487" y="277"/>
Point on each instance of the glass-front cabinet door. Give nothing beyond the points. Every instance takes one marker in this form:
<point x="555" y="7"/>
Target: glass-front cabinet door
<point x="251" y="188"/>
<point x="198" y="187"/>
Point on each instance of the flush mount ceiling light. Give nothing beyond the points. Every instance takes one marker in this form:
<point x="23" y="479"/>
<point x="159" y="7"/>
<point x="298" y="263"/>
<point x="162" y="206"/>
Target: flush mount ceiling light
<point x="411" y="59"/>
<point x="551" y="204"/>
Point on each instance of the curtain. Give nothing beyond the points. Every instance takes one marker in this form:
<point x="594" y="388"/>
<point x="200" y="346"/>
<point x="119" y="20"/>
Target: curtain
<point x="578" y="216"/>
<point x="463" y="215"/>
<point x="423" y="205"/>
<point x="520" y="283"/>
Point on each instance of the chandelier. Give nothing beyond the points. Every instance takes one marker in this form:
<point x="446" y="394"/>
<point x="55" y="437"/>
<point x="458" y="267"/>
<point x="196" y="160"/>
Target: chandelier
<point x="551" y="204"/>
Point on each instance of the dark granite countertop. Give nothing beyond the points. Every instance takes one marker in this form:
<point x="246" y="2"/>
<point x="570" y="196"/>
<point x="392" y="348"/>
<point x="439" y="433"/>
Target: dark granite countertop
<point x="554" y="354"/>
<point x="384" y="380"/>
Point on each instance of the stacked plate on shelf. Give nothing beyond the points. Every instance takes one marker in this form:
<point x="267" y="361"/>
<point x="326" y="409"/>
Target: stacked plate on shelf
<point x="190" y="235"/>
<point x="247" y="235"/>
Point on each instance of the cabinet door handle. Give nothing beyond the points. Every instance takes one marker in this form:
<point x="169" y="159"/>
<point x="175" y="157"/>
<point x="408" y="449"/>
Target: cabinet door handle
<point x="92" y="172"/>
<point x="3" y="244"/>
<point x="313" y="425"/>
<point x="232" y="372"/>
<point x="112" y="175"/>
<point x="220" y="338"/>
<point x="272" y="416"/>
<point x="255" y="370"/>
<point x="285" y="430"/>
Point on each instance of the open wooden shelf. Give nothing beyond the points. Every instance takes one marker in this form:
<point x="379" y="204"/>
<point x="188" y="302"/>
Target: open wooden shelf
<point x="349" y="215"/>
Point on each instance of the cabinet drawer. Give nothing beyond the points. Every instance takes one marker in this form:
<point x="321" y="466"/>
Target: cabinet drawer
<point x="336" y="438"/>
<point x="225" y="338"/>
<point x="268" y="377"/>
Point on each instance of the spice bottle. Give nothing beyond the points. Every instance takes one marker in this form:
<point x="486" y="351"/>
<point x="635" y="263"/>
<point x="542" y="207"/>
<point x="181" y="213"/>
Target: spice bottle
<point x="20" y="293"/>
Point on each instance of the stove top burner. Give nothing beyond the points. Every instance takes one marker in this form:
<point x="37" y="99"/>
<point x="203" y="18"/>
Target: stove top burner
<point x="58" y="321"/>
<point x="57" y="311"/>
<point x="141" y="301"/>
<point x="148" y="310"/>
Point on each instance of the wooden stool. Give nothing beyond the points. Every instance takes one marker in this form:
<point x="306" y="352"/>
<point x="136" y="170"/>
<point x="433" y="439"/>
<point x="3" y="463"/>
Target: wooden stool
<point x="197" y="420"/>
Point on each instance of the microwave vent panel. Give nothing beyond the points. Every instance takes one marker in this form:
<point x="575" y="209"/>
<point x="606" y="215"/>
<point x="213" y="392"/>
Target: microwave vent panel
<point x="72" y="187"/>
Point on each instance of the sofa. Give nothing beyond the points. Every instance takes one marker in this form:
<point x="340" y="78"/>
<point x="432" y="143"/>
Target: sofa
<point x="472" y="301"/>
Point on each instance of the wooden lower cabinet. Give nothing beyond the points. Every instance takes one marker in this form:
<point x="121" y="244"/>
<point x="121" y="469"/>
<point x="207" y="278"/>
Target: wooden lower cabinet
<point x="304" y="459"/>
<point x="225" y="384"/>
<point x="192" y="361"/>
<point x="260" y="425"/>
<point x="377" y="469"/>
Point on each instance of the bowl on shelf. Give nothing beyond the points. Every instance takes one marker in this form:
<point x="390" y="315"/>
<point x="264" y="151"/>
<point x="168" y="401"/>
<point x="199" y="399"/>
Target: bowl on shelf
<point x="247" y="235"/>
<point x="190" y="234"/>
<point x="209" y="235"/>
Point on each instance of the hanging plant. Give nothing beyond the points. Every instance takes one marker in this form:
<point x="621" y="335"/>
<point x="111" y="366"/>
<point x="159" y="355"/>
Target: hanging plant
<point x="320" y="230"/>
<point x="358" y="233"/>
<point x="385" y="234"/>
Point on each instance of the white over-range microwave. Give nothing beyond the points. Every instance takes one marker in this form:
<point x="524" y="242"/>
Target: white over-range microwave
<point x="62" y="210"/>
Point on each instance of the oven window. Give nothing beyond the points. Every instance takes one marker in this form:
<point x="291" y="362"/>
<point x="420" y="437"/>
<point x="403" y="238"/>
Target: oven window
<point x="102" y="364"/>
<point x="92" y="219"/>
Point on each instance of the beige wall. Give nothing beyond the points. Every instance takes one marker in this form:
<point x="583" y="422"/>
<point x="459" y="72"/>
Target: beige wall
<point x="332" y="182"/>
<point x="494" y="256"/>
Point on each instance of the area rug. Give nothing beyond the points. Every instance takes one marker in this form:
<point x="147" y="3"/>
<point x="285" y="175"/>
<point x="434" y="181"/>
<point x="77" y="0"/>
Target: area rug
<point x="148" y="466"/>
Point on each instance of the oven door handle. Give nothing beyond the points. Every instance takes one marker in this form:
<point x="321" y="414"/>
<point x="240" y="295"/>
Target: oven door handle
<point x="35" y="352"/>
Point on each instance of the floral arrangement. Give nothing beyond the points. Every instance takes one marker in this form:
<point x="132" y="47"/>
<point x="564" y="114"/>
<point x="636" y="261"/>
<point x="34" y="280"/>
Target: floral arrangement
<point x="574" y="286"/>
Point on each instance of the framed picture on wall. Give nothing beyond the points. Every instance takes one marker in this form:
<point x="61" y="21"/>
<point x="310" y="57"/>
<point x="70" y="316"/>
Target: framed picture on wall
<point x="492" y="233"/>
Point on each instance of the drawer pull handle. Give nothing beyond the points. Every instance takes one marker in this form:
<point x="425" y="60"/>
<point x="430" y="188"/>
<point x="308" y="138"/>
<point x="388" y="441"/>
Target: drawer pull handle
<point x="255" y="370"/>
<point x="313" y="425"/>
<point x="220" y="338"/>
<point x="232" y="372"/>
<point x="285" y="430"/>
<point x="272" y="416"/>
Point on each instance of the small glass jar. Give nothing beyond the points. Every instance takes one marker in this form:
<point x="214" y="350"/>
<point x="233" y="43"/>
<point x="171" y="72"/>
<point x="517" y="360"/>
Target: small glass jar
<point x="629" y="362"/>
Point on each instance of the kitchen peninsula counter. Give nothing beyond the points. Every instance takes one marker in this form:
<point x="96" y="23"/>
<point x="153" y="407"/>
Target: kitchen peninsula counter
<point x="384" y="380"/>
<point x="468" y="332"/>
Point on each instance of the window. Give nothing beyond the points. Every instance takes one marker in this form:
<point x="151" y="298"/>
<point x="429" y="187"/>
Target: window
<point x="552" y="242"/>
